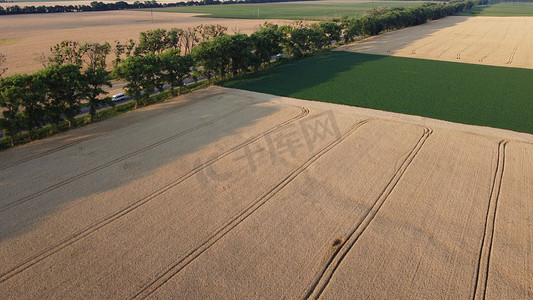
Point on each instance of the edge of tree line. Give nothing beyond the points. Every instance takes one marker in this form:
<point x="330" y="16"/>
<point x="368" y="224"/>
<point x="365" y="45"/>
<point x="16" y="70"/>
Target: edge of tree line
<point x="42" y="104"/>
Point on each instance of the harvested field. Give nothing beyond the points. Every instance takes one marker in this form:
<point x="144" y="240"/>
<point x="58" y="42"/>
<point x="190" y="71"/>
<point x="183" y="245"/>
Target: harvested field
<point x="23" y="37"/>
<point x="224" y="193"/>
<point x="497" y="41"/>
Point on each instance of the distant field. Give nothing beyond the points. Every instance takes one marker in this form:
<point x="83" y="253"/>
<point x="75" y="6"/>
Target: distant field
<point x="23" y="37"/>
<point x="67" y="2"/>
<point x="471" y="94"/>
<point x="289" y="10"/>
<point x="502" y="10"/>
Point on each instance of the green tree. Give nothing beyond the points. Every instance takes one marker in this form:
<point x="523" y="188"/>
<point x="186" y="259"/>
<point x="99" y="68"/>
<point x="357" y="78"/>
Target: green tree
<point x="212" y="58"/>
<point x="140" y="73"/>
<point x="332" y="30"/>
<point x="175" y="68"/>
<point x="66" y="52"/>
<point x="318" y="38"/>
<point x="3" y="68"/>
<point x="286" y="43"/>
<point x="267" y="43"/>
<point x="300" y="39"/>
<point x="173" y="39"/>
<point x="240" y="52"/>
<point x="10" y="95"/>
<point x="94" y="79"/>
<point x="95" y="75"/>
<point x="65" y="89"/>
<point x="32" y="103"/>
<point x="123" y="49"/>
<point x="225" y="54"/>
<point x="95" y="54"/>
<point x="152" y="41"/>
<point x="351" y="28"/>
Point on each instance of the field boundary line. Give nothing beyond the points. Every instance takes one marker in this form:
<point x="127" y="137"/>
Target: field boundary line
<point x="324" y="276"/>
<point x="131" y="207"/>
<point x="482" y="272"/>
<point x="167" y="274"/>
<point x="45" y="153"/>
<point x="117" y="160"/>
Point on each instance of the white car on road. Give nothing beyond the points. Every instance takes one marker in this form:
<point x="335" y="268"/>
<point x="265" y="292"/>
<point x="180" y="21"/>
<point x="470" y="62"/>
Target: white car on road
<point x="118" y="97"/>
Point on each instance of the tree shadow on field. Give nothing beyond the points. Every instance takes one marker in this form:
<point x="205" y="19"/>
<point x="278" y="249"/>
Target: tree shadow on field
<point x="464" y="93"/>
<point x="391" y="42"/>
<point x="325" y="67"/>
<point x="86" y="165"/>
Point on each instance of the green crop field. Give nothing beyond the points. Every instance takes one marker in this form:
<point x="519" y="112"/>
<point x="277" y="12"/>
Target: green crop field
<point x="288" y="10"/>
<point x="507" y="9"/>
<point x="472" y="94"/>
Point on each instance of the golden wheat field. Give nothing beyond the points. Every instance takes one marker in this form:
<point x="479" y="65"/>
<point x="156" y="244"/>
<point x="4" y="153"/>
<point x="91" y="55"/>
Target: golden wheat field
<point x="497" y="41"/>
<point x="224" y="193"/>
<point x="24" y="37"/>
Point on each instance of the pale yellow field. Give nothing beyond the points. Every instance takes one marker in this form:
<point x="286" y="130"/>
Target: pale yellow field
<point x="225" y="193"/>
<point x="497" y="41"/>
<point x="24" y="36"/>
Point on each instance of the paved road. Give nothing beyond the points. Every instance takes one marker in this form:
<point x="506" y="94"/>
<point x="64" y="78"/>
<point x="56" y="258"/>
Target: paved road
<point x="118" y="87"/>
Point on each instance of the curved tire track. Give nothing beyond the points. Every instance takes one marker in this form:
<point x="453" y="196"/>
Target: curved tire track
<point x="515" y="49"/>
<point x="45" y="153"/>
<point x="175" y="268"/>
<point x="479" y="39"/>
<point x="98" y="225"/>
<point x="117" y="160"/>
<point x="413" y="51"/>
<point x="453" y="44"/>
<point x="324" y="276"/>
<point x="498" y="46"/>
<point x="482" y="272"/>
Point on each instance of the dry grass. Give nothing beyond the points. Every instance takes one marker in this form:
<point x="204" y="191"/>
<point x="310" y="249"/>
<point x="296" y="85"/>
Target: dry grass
<point x="497" y="41"/>
<point x="207" y="201"/>
<point x="30" y="35"/>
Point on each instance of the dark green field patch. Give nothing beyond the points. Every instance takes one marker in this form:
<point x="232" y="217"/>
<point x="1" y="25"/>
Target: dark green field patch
<point x="465" y="93"/>
<point x="288" y="10"/>
<point x="507" y="9"/>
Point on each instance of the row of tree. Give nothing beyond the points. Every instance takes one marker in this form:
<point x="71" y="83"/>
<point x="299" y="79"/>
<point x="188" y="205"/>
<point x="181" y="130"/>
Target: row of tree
<point x="101" y="6"/>
<point x="76" y="73"/>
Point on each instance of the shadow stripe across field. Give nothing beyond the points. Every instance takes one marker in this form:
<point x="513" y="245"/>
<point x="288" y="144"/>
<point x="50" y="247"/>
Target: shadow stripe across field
<point x="122" y="126"/>
<point x="109" y="219"/>
<point x="119" y="159"/>
<point x="473" y="94"/>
